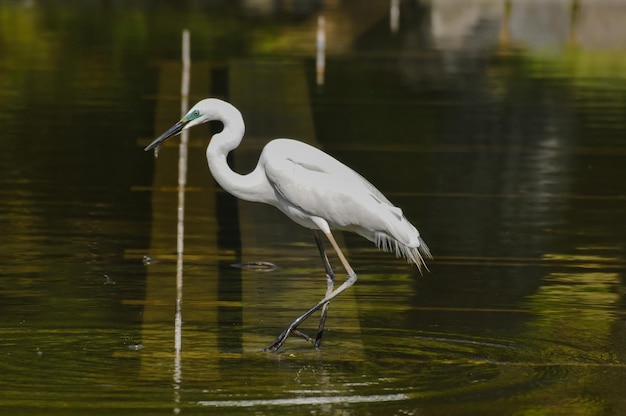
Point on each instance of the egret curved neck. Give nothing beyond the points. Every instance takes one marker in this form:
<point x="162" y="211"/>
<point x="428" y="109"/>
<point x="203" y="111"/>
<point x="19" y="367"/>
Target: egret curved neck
<point x="248" y="187"/>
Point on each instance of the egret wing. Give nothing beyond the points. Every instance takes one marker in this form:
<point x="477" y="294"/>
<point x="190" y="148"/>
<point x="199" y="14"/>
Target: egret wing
<point x="310" y="183"/>
<point x="320" y="185"/>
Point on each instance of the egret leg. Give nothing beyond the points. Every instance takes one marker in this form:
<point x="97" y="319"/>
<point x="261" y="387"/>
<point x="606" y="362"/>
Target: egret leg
<point x="350" y="280"/>
<point x="330" y="285"/>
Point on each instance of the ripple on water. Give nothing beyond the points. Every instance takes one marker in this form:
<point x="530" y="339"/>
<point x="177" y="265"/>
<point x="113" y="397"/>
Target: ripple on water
<point x="390" y="370"/>
<point x="405" y="370"/>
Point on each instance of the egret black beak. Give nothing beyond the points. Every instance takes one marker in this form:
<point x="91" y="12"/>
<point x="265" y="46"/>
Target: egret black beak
<point x="172" y="131"/>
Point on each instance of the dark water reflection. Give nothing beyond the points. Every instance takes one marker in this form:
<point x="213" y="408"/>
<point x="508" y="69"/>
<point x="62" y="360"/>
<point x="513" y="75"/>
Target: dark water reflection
<point x="498" y="128"/>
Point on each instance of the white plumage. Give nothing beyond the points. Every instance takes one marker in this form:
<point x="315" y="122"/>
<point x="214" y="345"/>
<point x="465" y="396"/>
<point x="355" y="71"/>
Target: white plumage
<point x="309" y="183"/>
<point x="313" y="189"/>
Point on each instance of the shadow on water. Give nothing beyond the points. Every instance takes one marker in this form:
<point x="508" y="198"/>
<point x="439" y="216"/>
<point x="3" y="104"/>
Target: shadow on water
<point x="499" y="130"/>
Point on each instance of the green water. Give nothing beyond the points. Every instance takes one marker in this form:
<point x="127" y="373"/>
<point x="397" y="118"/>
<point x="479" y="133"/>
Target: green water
<point x="501" y="136"/>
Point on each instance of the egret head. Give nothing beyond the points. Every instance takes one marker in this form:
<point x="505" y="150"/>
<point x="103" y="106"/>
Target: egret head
<point x="200" y="113"/>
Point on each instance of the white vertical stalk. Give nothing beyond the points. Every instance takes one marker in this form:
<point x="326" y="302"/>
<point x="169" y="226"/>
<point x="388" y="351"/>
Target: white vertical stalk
<point x="180" y="230"/>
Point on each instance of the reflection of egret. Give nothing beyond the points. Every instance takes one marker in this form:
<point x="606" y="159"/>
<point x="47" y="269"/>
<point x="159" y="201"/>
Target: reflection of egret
<point x="310" y="187"/>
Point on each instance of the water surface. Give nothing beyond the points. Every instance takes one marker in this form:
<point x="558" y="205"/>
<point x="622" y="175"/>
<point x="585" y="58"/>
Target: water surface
<point x="498" y="129"/>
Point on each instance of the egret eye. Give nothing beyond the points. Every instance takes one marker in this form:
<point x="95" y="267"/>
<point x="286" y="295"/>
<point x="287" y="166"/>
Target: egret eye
<point x="196" y="114"/>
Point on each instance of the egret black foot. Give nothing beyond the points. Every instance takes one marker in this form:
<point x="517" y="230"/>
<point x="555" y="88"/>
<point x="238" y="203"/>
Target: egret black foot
<point x="279" y="341"/>
<point x="304" y="336"/>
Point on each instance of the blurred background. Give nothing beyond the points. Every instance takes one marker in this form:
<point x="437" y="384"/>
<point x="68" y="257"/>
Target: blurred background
<point x="498" y="126"/>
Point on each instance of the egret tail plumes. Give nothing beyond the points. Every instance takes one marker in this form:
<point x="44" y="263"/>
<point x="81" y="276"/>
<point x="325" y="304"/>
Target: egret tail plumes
<point x="413" y="255"/>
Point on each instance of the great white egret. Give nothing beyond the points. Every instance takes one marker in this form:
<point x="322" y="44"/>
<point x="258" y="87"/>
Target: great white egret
<point x="313" y="189"/>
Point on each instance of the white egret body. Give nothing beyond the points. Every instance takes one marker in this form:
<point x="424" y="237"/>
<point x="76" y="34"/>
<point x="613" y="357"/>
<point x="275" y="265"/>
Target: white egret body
<point x="313" y="189"/>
